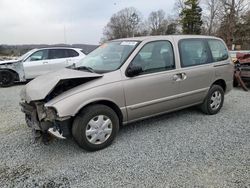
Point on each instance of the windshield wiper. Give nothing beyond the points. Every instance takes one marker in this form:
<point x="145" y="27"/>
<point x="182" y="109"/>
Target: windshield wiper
<point x="85" y="68"/>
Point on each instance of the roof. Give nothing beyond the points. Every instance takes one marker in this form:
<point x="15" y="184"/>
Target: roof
<point x="60" y="47"/>
<point x="158" y="37"/>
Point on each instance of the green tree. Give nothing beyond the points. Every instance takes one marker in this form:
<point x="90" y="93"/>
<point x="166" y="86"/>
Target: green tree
<point x="191" y="17"/>
<point x="171" y="29"/>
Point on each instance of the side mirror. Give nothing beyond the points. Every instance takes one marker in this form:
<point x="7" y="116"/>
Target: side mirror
<point x="134" y="71"/>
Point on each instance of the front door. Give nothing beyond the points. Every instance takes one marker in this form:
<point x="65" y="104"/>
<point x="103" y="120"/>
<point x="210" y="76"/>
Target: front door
<point x="34" y="64"/>
<point x="154" y="90"/>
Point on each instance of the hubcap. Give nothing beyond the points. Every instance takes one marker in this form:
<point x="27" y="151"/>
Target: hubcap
<point x="215" y="100"/>
<point x="99" y="129"/>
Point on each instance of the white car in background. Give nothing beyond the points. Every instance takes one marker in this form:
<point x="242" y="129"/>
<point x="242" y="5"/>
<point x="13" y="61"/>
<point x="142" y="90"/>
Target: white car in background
<point x="37" y="62"/>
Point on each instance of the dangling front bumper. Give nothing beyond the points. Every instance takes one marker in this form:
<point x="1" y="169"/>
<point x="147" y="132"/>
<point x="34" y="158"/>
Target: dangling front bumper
<point x="45" y="120"/>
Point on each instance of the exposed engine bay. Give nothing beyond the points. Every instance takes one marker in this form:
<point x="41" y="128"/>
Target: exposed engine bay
<point x="65" y="85"/>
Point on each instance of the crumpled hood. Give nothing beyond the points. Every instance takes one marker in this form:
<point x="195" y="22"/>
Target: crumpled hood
<point x="41" y="86"/>
<point x="9" y="61"/>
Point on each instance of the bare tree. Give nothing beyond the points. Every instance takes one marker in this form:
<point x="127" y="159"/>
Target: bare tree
<point x="157" y="22"/>
<point x="242" y="34"/>
<point x="124" y="23"/>
<point x="210" y="18"/>
<point x="232" y="10"/>
<point x="179" y="6"/>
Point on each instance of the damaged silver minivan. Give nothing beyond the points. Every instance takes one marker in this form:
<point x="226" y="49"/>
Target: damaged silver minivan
<point x="127" y="80"/>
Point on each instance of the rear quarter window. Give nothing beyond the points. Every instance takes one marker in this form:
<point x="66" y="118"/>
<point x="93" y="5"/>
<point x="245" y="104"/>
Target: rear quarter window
<point x="218" y="50"/>
<point x="72" y="53"/>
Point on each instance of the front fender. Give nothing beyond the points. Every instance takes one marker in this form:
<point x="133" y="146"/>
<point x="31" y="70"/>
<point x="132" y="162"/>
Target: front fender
<point x="72" y="104"/>
<point x="16" y="67"/>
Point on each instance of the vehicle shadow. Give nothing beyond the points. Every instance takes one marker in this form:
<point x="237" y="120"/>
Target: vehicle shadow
<point x="15" y="84"/>
<point x="20" y="83"/>
<point x="126" y="132"/>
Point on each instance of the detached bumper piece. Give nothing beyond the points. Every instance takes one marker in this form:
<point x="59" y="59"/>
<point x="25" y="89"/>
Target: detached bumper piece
<point x="43" y="122"/>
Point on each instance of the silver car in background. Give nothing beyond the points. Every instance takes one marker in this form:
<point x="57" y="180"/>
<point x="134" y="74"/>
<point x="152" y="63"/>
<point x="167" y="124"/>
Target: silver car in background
<point x="127" y="80"/>
<point x="37" y="62"/>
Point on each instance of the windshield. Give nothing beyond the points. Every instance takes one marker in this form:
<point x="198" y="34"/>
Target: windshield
<point x="109" y="56"/>
<point x="25" y="55"/>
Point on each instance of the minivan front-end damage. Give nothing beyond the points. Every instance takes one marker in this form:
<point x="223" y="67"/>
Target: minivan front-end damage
<point x="40" y="91"/>
<point x="43" y="119"/>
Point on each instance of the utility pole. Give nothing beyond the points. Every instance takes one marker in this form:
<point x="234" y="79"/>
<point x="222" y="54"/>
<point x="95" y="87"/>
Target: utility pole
<point x="64" y="33"/>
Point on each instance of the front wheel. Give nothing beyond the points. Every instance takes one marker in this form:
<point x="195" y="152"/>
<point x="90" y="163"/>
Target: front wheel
<point x="213" y="101"/>
<point x="6" y="78"/>
<point x="95" y="127"/>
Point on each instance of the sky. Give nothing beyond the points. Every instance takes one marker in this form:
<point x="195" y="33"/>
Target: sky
<point x="65" y="21"/>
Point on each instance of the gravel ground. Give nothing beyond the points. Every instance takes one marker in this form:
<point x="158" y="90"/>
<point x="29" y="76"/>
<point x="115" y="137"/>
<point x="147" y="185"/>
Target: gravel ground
<point x="181" y="149"/>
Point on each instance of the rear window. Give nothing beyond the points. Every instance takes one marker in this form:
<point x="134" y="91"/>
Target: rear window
<point x="193" y="52"/>
<point x="218" y="50"/>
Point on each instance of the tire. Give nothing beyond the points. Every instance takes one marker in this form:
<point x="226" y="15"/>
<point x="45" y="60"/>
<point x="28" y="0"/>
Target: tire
<point x="6" y="78"/>
<point x="213" y="101"/>
<point x="101" y="124"/>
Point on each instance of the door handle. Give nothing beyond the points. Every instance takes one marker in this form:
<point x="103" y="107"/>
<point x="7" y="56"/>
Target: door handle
<point x="183" y="76"/>
<point x="69" y="61"/>
<point x="177" y="77"/>
<point x="180" y="77"/>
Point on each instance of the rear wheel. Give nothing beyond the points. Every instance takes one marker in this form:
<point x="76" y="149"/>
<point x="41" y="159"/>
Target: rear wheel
<point x="213" y="101"/>
<point x="95" y="127"/>
<point x="6" y="78"/>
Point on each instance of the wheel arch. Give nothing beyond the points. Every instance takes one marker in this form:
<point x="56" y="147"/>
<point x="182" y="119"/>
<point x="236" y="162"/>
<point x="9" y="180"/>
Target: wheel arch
<point x="15" y="74"/>
<point x="221" y="83"/>
<point x="108" y="103"/>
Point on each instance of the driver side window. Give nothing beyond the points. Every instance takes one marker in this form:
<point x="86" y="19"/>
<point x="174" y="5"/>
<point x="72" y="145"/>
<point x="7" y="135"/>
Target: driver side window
<point x="38" y="56"/>
<point x="155" y="57"/>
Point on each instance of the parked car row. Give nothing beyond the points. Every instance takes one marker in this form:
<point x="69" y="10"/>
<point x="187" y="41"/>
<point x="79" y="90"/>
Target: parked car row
<point x="37" y="62"/>
<point x="126" y="80"/>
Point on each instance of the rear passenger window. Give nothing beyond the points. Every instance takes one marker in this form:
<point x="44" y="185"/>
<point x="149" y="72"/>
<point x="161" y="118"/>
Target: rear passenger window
<point x="57" y="53"/>
<point x="193" y="52"/>
<point x="155" y="57"/>
<point x="72" y="53"/>
<point x="218" y="50"/>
